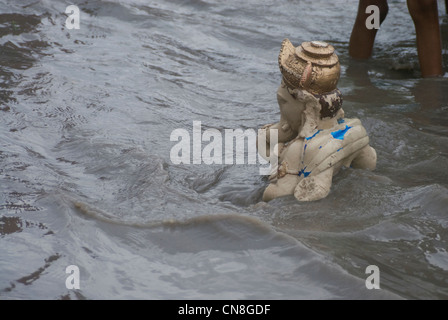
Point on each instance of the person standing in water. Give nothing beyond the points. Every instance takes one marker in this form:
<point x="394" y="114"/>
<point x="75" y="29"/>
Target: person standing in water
<point x="425" y="15"/>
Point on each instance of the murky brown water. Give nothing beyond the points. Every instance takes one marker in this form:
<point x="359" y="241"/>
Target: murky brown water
<point x="86" y="177"/>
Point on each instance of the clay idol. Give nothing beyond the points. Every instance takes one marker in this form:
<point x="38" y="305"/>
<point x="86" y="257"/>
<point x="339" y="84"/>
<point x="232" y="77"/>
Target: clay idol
<point x="314" y="138"/>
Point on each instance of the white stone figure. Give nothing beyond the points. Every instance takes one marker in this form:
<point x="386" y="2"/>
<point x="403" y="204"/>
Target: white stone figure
<point x="314" y="138"/>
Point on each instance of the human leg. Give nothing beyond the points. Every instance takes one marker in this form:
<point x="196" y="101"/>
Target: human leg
<point x="362" y="39"/>
<point x="425" y="15"/>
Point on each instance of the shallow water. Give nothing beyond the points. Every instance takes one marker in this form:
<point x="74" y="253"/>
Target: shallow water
<point x="86" y="176"/>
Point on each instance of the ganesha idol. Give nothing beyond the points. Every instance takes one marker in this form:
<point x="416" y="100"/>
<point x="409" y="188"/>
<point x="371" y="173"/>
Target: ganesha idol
<point x="314" y="139"/>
